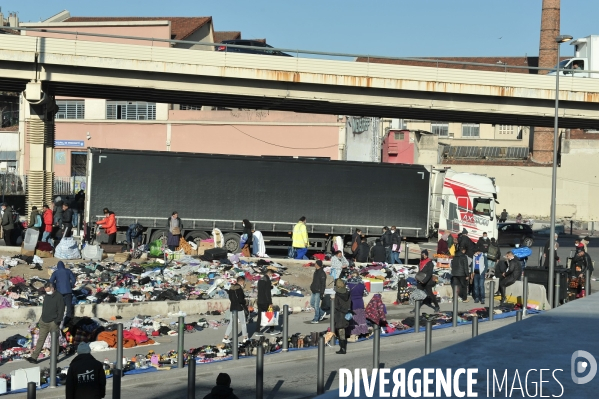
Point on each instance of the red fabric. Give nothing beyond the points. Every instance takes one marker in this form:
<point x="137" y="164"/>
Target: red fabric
<point x="423" y="263"/>
<point x="135" y="334"/>
<point x="48" y="218"/>
<point x="17" y="280"/>
<point x="44" y="246"/>
<point x="319" y="256"/>
<point x="109" y="223"/>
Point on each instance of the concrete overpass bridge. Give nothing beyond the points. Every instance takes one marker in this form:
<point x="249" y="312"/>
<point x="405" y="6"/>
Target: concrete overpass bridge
<point x="170" y="75"/>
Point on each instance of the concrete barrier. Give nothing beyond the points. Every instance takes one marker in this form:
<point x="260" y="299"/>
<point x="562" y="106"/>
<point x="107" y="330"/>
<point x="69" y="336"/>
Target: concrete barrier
<point x="130" y="310"/>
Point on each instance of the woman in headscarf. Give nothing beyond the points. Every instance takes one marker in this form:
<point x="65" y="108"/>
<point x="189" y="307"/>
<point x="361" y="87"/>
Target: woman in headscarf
<point x="357" y="324"/>
<point x="246" y="238"/>
<point x="376" y="311"/>
<point x="342" y="308"/>
<point x="175" y="227"/>
<point x="443" y="245"/>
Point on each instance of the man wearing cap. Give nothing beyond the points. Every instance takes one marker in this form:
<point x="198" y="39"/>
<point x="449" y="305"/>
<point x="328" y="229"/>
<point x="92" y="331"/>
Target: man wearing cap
<point x="319" y="282"/>
<point x="52" y="314"/>
<point x="223" y="389"/>
<point x="85" y="377"/>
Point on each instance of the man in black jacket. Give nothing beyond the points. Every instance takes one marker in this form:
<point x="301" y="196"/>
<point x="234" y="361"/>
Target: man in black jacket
<point x="580" y="263"/>
<point x="67" y="220"/>
<point x="460" y="271"/>
<point x="363" y="251"/>
<point x="386" y="238"/>
<point x="237" y="298"/>
<point x="467" y="243"/>
<point x="319" y="282"/>
<point x="395" y="246"/>
<point x="7" y="224"/>
<point x="511" y="275"/>
<point x="85" y="377"/>
<point x="52" y="314"/>
<point x="264" y="300"/>
<point x="379" y="254"/>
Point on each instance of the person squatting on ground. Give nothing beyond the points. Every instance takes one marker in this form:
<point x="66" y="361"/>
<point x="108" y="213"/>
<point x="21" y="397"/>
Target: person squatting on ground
<point x="52" y="314"/>
<point x="319" y="282"/>
<point x="237" y="298"/>
<point x="300" y="239"/>
<point x="338" y="263"/>
<point x="85" y="377"/>
<point x="512" y="273"/>
<point x="342" y="308"/>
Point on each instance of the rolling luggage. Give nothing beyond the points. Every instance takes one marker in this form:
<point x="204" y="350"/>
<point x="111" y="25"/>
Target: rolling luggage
<point x="215" y="254"/>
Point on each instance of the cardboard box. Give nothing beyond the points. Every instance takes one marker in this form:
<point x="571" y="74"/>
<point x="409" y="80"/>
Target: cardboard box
<point x="43" y="254"/>
<point x="25" y="252"/>
<point x="376" y="286"/>
<point x="204" y="245"/>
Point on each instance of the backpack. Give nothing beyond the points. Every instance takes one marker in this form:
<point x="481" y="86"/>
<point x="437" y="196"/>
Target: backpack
<point x="38" y="221"/>
<point x="492" y="252"/>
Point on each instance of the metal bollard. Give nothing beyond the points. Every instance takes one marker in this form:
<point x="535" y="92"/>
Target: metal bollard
<point x="407" y="253"/>
<point x="556" y="291"/>
<point x="118" y="370"/>
<point x="475" y="326"/>
<point x="491" y="300"/>
<point x="180" y="359"/>
<point x="524" y="295"/>
<point x="587" y="282"/>
<point x="31" y="390"/>
<point x="320" y="368"/>
<point x="518" y="315"/>
<point x="285" y="328"/>
<point x="53" y="357"/>
<point x="332" y="316"/>
<point x="191" y="376"/>
<point x="428" y="339"/>
<point x="260" y="372"/>
<point x="376" y="354"/>
<point x="235" y="332"/>
<point x="454" y="318"/>
<point x="417" y="316"/>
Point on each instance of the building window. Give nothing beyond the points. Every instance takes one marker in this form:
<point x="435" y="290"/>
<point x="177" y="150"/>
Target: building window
<point x="399" y="136"/>
<point x="470" y="130"/>
<point x="506" y="129"/>
<point x="185" y="107"/>
<point x="130" y="110"/>
<point x="440" y="128"/>
<point x="70" y="109"/>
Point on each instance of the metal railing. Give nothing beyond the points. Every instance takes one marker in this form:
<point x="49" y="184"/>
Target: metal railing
<point x="13" y="184"/>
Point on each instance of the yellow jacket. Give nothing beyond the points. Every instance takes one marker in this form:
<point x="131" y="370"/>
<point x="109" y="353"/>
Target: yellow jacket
<point x="300" y="236"/>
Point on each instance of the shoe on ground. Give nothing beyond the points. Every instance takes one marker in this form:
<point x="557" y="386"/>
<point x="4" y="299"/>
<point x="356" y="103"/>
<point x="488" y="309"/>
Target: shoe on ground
<point x="341" y="352"/>
<point x="226" y="341"/>
<point x="482" y="302"/>
<point x="324" y="316"/>
<point x="31" y="360"/>
<point x="396" y="303"/>
<point x="315" y="321"/>
<point x="466" y="300"/>
<point x="476" y="301"/>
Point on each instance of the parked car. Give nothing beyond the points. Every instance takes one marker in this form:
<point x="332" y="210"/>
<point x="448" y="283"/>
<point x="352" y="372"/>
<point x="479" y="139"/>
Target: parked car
<point x="250" y="43"/>
<point x="515" y="233"/>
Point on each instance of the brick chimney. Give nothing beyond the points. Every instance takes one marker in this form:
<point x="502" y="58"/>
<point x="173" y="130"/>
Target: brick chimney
<point x="542" y="151"/>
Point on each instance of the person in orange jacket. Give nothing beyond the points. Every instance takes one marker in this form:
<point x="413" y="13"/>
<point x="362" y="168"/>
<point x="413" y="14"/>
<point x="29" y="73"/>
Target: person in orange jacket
<point x="109" y="225"/>
<point x="48" y="219"/>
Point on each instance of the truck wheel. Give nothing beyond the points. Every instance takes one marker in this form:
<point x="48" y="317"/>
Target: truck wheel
<point x="158" y="234"/>
<point x="527" y="242"/>
<point x="232" y="241"/>
<point x="196" y="236"/>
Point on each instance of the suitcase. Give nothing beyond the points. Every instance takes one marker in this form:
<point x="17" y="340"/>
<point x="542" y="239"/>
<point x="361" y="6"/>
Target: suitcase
<point x="113" y="249"/>
<point x="215" y="254"/>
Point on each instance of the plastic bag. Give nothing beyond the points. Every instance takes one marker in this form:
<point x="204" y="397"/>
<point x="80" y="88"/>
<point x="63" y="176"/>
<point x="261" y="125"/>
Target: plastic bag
<point x="156" y="248"/>
<point x="522" y="252"/>
<point x="67" y="248"/>
<point x="269" y="318"/>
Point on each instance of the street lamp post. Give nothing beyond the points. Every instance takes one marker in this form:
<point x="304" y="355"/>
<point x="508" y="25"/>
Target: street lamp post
<point x="550" y="283"/>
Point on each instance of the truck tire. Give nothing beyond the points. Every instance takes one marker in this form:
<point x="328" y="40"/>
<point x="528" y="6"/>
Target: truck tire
<point x="158" y="234"/>
<point x="527" y="242"/>
<point x="232" y="241"/>
<point x="196" y="236"/>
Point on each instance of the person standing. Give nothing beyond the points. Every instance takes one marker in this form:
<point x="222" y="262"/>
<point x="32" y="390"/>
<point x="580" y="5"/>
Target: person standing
<point x="78" y="206"/>
<point x="546" y="252"/>
<point x="175" y="228"/>
<point x="223" y="389"/>
<point x="64" y="280"/>
<point x="7" y="224"/>
<point x="264" y="300"/>
<point x="319" y="282"/>
<point x="52" y="314"/>
<point x="342" y="308"/>
<point x="338" y="263"/>
<point x="300" y="238"/>
<point x="482" y="246"/>
<point x="386" y="239"/>
<point x="465" y="242"/>
<point x="512" y="274"/>
<point x="67" y="220"/>
<point x="35" y="219"/>
<point x="503" y="217"/>
<point x="442" y="244"/>
<point x="249" y="235"/>
<point x="109" y="225"/>
<point x="47" y="219"/>
<point x="428" y="283"/>
<point x="57" y="222"/>
<point x="479" y="270"/>
<point x="379" y="253"/>
<point x="493" y="254"/>
<point x="363" y="251"/>
<point x="85" y="377"/>
<point x="460" y="272"/>
<point x="356" y="238"/>
<point x="237" y="298"/>
<point x="395" y="246"/>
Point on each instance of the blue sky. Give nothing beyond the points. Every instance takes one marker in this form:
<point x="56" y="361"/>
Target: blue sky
<point x="380" y="27"/>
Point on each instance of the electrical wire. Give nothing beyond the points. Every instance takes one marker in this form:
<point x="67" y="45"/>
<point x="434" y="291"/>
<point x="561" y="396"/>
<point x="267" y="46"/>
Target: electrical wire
<point x="560" y="178"/>
<point x="282" y="146"/>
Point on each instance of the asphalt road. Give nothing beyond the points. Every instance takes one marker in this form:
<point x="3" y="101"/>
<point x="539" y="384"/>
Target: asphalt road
<point x="286" y="375"/>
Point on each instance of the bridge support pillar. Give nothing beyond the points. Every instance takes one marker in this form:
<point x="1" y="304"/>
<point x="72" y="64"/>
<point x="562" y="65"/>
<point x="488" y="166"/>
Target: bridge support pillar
<point x="39" y="136"/>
